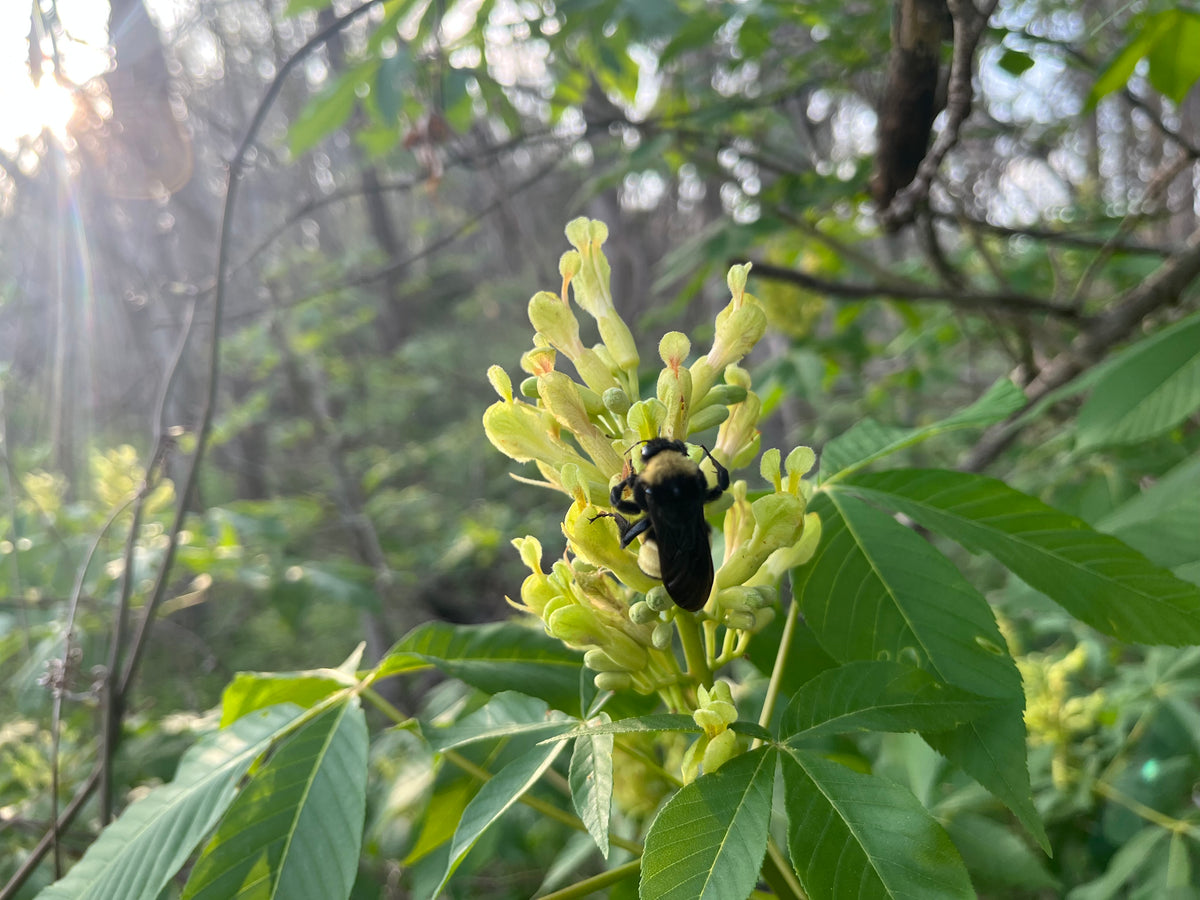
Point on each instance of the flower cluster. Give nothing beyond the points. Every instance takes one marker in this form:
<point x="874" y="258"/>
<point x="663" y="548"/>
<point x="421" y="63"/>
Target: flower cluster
<point x="578" y="433"/>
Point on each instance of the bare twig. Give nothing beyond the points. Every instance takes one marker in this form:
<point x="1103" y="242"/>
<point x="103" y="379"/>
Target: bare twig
<point x="1065" y="238"/>
<point x="1154" y="190"/>
<point x="1001" y="301"/>
<point x="1162" y="288"/>
<point x="969" y="24"/>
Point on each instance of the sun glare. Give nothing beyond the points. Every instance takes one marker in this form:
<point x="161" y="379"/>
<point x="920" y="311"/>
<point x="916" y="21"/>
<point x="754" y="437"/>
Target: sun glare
<point x="49" y="106"/>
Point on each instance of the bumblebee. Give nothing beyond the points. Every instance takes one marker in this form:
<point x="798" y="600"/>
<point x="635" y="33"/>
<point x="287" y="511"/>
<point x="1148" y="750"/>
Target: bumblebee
<point x="671" y="492"/>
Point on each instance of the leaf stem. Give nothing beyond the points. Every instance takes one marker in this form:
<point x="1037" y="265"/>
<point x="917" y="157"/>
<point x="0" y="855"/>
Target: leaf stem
<point x="549" y="810"/>
<point x="773" y="686"/>
<point x="589" y="886"/>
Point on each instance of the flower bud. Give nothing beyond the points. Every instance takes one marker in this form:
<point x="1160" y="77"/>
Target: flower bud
<point x="612" y="681"/>
<point x="738" y="597"/>
<point x="641" y="613"/>
<point x="704" y="419"/>
<point x="529" y="388"/>
<point x="662" y="635"/>
<point x="722" y="395"/>
<point x="573" y="625"/>
<point x="599" y="661"/>
<point x="624" y="650"/>
<point x="658" y="599"/>
<point x="616" y="401"/>
<point x="740" y="619"/>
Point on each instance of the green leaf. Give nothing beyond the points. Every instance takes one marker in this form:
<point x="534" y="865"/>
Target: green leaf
<point x="875" y="590"/>
<point x="257" y="690"/>
<point x="1125" y="863"/>
<point x="591" y="779"/>
<point x="1175" y="56"/>
<point x="494" y="798"/>
<point x="638" y="724"/>
<point x="999" y="861"/>
<point x="860" y="837"/>
<point x="1162" y="521"/>
<point x="1117" y="75"/>
<point x="393" y="81"/>
<point x="504" y="656"/>
<point x="1150" y="387"/>
<point x="877" y="696"/>
<point x="508" y="714"/>
<point x="1095" y="577"/>
<point x="708" y="842"/>
<point x="443" y="812"/>
<point x="869" y="441"/>
<point x="1015" y="62"/>
<point x="140" y="852"/>
<point x="295" y="830"/>
<point x="324" y="114"/>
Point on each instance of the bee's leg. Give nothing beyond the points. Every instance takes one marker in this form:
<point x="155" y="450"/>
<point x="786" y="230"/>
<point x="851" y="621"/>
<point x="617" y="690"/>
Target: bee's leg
<point x="618" y="491"/>
<point x="628" y="530"/>
<point x="722" y="478"/>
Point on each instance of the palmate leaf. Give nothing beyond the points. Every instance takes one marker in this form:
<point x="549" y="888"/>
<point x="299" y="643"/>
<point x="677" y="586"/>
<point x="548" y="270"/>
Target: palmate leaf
<point x="140" y="852"/>
<point x="504" y="656"/>
<point x="875" y="590"/>
<point x="860" y="837"/>
<point x="708" y="842"/>
<point x="877" y="696"/>
<point x="1093" y="576"/>
<point x="493" y="799"/>
<point x="295" y="830"/>
<point x="1147" y="389"/>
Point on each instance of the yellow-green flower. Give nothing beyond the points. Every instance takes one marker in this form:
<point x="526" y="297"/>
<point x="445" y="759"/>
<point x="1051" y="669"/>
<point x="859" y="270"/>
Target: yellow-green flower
<point x="580" y="429"/>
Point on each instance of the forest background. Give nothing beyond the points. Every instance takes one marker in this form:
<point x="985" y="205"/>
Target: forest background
<point x="256" y="258"/>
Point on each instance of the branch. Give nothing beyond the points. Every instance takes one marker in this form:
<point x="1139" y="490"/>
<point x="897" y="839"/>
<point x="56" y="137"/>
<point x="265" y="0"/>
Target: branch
<point x="1161" y="289"/>
<point x="969" y="24"/>
<point x="1007" y="301"/>
<point x="1090" y="242"/>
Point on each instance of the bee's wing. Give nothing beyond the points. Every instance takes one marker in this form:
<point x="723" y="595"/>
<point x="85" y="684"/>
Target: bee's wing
<point x="684" y="557"/>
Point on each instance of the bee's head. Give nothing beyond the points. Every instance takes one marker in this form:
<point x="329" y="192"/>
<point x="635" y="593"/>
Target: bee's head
<point x="657" y="445"/>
